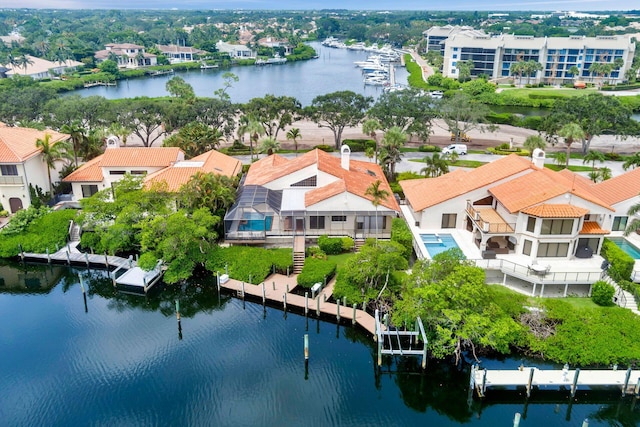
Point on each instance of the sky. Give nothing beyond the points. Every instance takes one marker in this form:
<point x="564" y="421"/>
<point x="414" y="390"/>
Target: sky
<point x="575" y="5"/>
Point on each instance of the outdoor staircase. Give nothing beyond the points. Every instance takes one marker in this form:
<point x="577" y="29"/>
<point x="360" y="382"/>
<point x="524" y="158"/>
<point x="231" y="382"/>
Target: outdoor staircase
<point x="623" y="298"/>
<point x="298" y="253"/>
<point x="74" y="232"/>
<point x="357" y="244"/>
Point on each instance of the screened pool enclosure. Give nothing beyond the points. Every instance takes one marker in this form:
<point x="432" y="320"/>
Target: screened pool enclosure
<point x="252" y="216"/>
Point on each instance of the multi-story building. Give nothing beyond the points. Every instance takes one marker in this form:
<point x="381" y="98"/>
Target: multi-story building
<point x="127" y="55"/>
<point x="494" y="55"/>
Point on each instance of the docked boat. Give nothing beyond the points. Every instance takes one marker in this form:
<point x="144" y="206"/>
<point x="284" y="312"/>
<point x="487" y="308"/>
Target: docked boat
<point x="376" y="81"/>
<point x="205" y="66"/>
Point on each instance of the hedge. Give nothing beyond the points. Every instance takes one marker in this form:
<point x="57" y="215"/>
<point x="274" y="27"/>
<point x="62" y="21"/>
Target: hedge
<point x="429" y="149"/>
<point x="602" y="293"/>
<point x="330" y="245"/>
<point x="359" y="145"/>
<point x="620" y="263"/>
<point x="316" y="270"/>
<point x="400" y="233"/>
<point x="246" y="262"/>
<point x="44" y="232"/>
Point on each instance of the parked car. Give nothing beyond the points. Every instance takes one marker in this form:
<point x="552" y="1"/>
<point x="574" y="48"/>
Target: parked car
<point x="460" y="149"/>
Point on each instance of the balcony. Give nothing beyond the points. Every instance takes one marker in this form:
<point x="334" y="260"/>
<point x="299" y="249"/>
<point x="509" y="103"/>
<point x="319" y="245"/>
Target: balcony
<point x="489" y="221"/>
<point x="11" y="180"/>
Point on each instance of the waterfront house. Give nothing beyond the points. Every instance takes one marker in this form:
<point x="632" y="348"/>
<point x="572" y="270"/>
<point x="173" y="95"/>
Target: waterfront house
<point x="515" y="206"/>
<point x="278" y="44"/>
<point x="21" y="165"/>
<point x="39" y="68"/>
<point x="177" y="54"/>
<point x="127" y="55"/>
<point x="237" y="51"/>
<point x="101" y="172"/>
<point x="308" y="196"/>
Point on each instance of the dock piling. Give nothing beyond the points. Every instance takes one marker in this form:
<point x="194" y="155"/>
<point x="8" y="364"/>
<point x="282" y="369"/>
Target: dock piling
<point x="178" y="311"/>
<point x="218" y="280"/>
<point x="626" y="382"/>
<point x="338" y="310"/>
<point x="353" y="320"/>
<point x="585" y="423"/>
<point x="274" y="285"/>
<point x="242" y="290"/>
<point x="106" y="260"/>
<point x="318" y="307"/>
<point x="264" y="294"/>
<point x="284" y="298"/>
<point x="86" y="258"/>
<point x="306" y="346"/>
<point x="531" y="372"/>
<point x="306" y="303"/>
<point x="68" y="258"/>
<point x="637" y="389"/>
<point x="516" y="420"/>
<point x="574" y="386"/>
<point x="48" y="257"/>
<point x="84" y="294"/>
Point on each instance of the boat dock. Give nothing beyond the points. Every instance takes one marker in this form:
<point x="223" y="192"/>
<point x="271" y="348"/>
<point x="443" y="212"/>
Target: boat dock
<point x="278" y="289"/>
<point x="93" y="84"/>
<point x="482" y="379"/>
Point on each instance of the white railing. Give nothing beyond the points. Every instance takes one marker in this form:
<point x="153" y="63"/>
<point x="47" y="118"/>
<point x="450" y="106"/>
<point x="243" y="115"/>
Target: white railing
<point x="11" y="180"/>
<point x="525" y="272"/>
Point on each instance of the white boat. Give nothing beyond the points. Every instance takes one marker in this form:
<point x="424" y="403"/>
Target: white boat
<point x="436" y="94"/>
<point x="329" y="40"/>
<point x="376" y="81"/>
<point x="205" y="66"/>
<point x="378" y="73"/>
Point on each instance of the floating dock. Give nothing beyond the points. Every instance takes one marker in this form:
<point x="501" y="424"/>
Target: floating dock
<point x="483" y="379"/>
<point x="138" y="279"/>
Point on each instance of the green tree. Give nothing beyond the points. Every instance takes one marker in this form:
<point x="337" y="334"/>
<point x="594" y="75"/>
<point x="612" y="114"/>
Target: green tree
<point x="436" y="165"/>
<point x="390" y="154"/>
<point x="269" y="145"/>
<point x="534" y="141"/>
<point x="369" y="127"/>
<point x="52" y="152"/>
<point x="255" y="129"/>
<point x="109" y="66"/>
<point x="574" y="71"/>
<point x="338" y="110"/>
<point x="407" y="109"/>
<point x="207" y="190"/>
<point x="632" y="161"/>
<point x="77" y="134"/>
<point x="532" y="67"/>
<point x="274" y="112"/>
<point x="593" y="157"/>
<point x="571" y="132"/>
<point x="378" y="196"/>
<point x="461" y="113"/>
<point x="294" y="134"/>
<point x="634" y="224"/>
<point x="464" y="70"/>
<point x="517" y="68"/>
<point x="176" y="86"/>
<point x="194" y="139"/>
<point x="145" y="117"/>
<point x="228" y="79"/>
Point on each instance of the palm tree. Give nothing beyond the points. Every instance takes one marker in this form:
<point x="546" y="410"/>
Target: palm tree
<point x="269" y="145"/>
<point x="571" y="132"/>
<point x="436" y="165"/>
<point x="255" y="129"/>
<point x="294" y="134"/>
<point x="378" y="196"/>
<point x="560" y="158"/>
<point x="634" y="225"/>
<point x="52" y="153"/>
<point x="517" y="68"/>
<point x="77" y="133"/>
<point x="119" y="130"/>
<point x="23" y="61"/>
<point x="574" y="71"/>
<point x="390" y="154"/>
<point x="369" y="127"/>
<point x="631" y="161"/>
<point x="593" y="157"/>
<point x="534" y="141"/>
<point x="531" y="67"/>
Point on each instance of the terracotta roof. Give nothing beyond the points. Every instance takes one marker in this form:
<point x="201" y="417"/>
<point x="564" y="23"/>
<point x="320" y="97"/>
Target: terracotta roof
<point x="424" y="193"/>
<point x="19" y="144"/>
<point x="209" y="162"/>
<point x="141" y="156"/>
<point x="555" y="211"/>
<point x="89" y="172"/>
<point x="590" y="227"/>
<point x="620" y="188"/>
<point x="355" y="181"/>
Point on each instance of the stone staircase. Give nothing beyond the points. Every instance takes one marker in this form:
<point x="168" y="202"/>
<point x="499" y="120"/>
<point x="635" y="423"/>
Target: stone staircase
<point x="358" y="243"/>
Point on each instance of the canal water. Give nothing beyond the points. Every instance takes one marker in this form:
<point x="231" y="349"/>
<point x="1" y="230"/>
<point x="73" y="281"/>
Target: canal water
<point x="121" y="360"/>
<point x="334" y="70"/>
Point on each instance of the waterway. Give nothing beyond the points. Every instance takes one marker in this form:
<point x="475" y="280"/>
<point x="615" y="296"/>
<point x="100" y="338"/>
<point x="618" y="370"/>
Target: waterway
<point x="120" y="360"/>
<point x="332" y="71"/>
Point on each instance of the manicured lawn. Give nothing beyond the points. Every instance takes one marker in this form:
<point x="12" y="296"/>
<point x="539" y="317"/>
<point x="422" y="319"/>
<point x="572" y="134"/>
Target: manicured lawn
<point x="340" y="259"/>
<point x="525" y="92"/>
<point x="572" y="168"/>
<point x="581" y="302"/>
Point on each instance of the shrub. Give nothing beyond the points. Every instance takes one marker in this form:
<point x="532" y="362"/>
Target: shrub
<point x="531" y="122"/>
<point x="23" y="218"/>
<point x="429" y="148"/>
<point x="602" y="293"/>
<point x="314" y="251"/>
<point x="347" y="244"/>
<point x="245" y="262"/>
<point x="325" y="147"/>
<point x="41" y="233"/>
<point x="359" y="145"/>
<point x="620" y="263"/>
<point x="612" y="156"/>
<point x="401" y="234"/>
<point x="4" y="214"/>
<point x="316" y="270"/>
<point x="330" y="245"/>
<point x="502" y="118"/>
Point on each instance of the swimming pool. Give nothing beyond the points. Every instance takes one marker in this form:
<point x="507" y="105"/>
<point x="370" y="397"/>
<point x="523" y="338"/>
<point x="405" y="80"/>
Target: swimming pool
<point x="255" y="222"/>
<point x="436" y="243"/>
<point x="626" y="246"/>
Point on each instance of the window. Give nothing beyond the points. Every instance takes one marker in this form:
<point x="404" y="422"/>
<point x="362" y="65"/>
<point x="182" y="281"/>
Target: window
<point x="9" y="170"/>
<point x="557" y="226"/>
<point x="526" y="247"/>
<point x="339" y="218"/>
<point x="117" y="172"/>
<point x="316" y="222"/>
<point x="553" y="249"/>
<point x="591" y="243"/>
<point x="89" y="190"/>
<point x="312" y="181"/>
<point x="138" y="172"/>
<point x="449" y="220"/>
<point x="531" y="224"/>
<point x="619" y="223"/>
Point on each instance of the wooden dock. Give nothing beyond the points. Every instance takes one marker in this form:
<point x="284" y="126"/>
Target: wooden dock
<point x="67" y="256"/>
<point x="278" y="289"/>
<point x="627" y="380"/>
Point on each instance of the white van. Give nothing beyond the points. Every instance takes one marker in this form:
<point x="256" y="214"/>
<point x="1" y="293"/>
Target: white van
<point x="460" y="149"/>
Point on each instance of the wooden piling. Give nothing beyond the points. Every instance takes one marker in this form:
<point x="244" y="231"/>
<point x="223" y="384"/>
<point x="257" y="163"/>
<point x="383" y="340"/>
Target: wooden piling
<point x="626" y="382"/>
<point x="106" y="260"/>
<point x="516" y="420"/>
<point x="274" y="285"/>
<point x="243" y="290"/>
<point x="353" y="320"/>
<point x="86" y="258"/>
<point x="574" y="386"/>
<point x="306" y="303"/>
<point x="318" y="307"/>
<point x="218" y="280"/>
<point x="531" y="372"/>
<point x="48" y="257"/>
<point x="306" y="346"/>
<point x="585" y="423"/>
<point x="637" y="389"/>
<point x="338" y="310"/>
<point x="264" y="294"/>
<point x="68" y="258"/>
<point x="178" y="311"/>
<point x="284" y="298"/>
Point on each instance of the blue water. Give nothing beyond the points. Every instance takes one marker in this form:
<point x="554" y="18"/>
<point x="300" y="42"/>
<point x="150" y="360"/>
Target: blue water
<point x="255" y="222"/>
<point x="438" y="243"/>
<point x="627" y="246"/>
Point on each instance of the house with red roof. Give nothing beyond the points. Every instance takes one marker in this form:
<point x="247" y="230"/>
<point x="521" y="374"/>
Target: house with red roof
<point x="514" y="206"/>
<point x="308" y="196"/>
<point x="158" y="165"/>
<point x="21" y="165"/>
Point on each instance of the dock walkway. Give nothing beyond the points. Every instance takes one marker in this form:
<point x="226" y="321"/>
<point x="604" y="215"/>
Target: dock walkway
<point x="277" y="286"/>
<point x="70" y="255"/>
<point x="528" y="377"/>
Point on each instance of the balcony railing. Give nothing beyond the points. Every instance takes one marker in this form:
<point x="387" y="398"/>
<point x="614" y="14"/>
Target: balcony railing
<point x="552" y="277"/>
<point x="486" y="226"/>
<point x="11" y="180"/>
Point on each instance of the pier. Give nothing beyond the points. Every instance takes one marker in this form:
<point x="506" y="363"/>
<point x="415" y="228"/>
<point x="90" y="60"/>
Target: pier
<point x="93" y="84"/>
<point x="483" y="379"/>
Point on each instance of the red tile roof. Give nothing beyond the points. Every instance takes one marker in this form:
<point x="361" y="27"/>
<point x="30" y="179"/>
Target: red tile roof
<point x="141" y="157"/>
<point x="89" y="172"/>
<point x="555" y="211"/>
<point x="620" y="188"/>
<point x="19" y="144"/>
<point x="590" y="227"/>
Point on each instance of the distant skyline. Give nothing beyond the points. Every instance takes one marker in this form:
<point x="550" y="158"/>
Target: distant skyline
<point x="454" y="5"/>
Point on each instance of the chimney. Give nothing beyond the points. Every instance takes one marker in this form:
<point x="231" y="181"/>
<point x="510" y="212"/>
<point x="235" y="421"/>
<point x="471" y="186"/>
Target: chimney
<point x="345" y="152"/>
<point x="538" y="157"/>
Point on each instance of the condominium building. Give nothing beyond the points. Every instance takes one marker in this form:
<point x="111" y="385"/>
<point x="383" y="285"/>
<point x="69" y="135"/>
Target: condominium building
<point x="494" y="55"/>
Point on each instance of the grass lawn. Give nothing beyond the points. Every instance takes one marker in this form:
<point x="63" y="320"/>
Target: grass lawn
<point x="340" y="259"/>
<point x="525" y="92"/>
<point x="572" y="168"/>
<point x="579" y="303"/>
